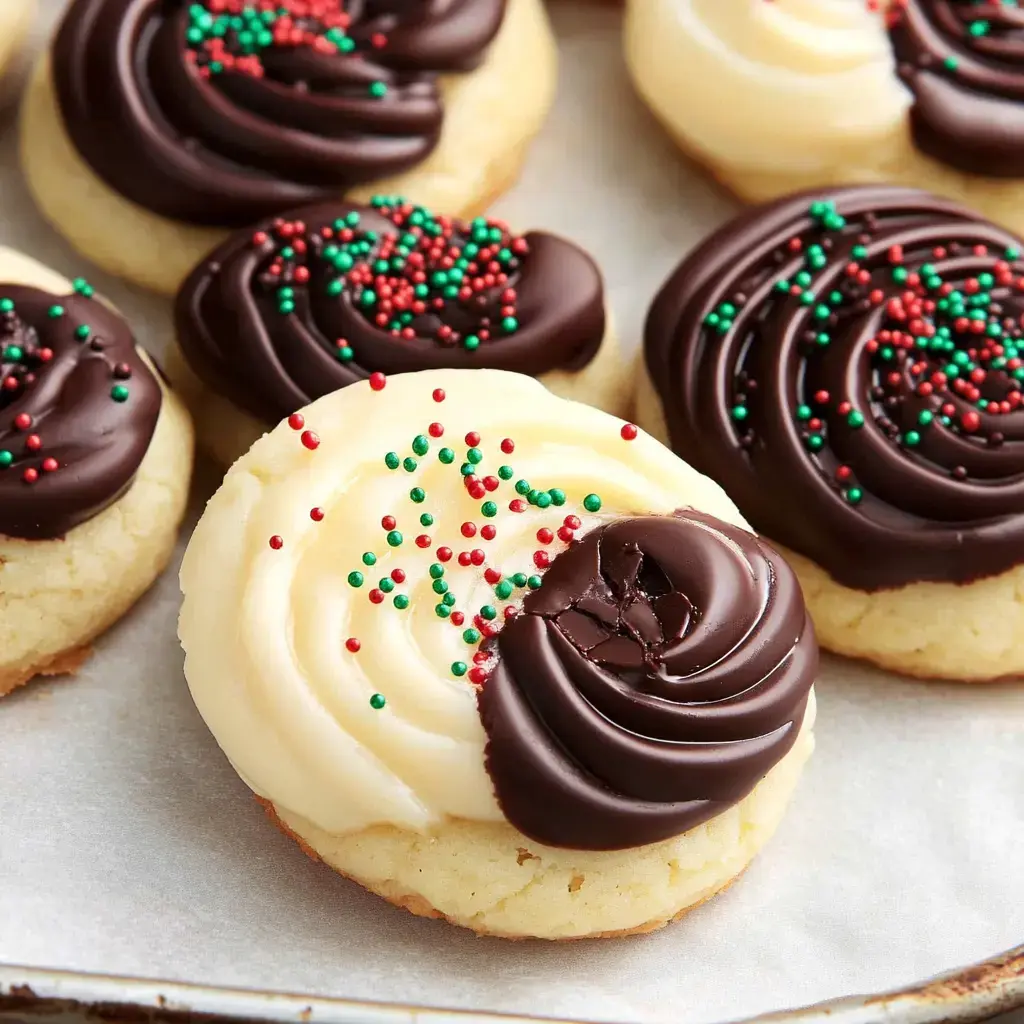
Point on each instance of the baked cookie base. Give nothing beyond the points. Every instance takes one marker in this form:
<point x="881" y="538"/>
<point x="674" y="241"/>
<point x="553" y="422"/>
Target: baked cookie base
<point x="970" y="632"/>
<point x="489" y="878"/>
<point x="56" y="596"/>
<point x="226" y="432"/>
<point x="497" y="107"/>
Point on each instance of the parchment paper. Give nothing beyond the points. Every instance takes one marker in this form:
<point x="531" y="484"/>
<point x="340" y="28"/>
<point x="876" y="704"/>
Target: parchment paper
<point x="127" y="845"/>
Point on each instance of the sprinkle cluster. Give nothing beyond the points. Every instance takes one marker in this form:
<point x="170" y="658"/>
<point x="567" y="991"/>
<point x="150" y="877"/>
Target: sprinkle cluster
<point x="22" y="360"/>
<point x="947" y="355"/>
<point x="235" y="35"/>
<point x="465" y="557"/>
<point x="428" y="277"/>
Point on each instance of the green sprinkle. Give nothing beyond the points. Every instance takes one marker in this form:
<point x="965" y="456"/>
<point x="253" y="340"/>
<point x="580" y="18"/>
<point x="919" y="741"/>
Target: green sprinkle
<point x="519" y="579"/>
<point x="471" y="636"/>
<point x="442" y="611"/>
<point x="345" y="354"/>
<point x="394" y="539"/>
<point x="119" y="393"/>
<point x="557" y="496"/>
<point x="505" y="472"/>
<point x="392" y="461"/>
<point x="356" y="578"/>
<point x="14" y="354"/>
<point x="803" y="412"/>
<point x="855" y="419"/>
<point x="534" y="582"/>
<point x="854" y="495"/>
<point x="951" y="63"/>
<point x="55" y="311"/>
<point x="448" y="600"/>
<point x="82" y="287"/>
<point x="401" y="601"/>
<point x="387" y="584"/>
<point x="6" y="305"/>
<point x="436" y="571"/>
<point x="815" y="442"/>
<point x="503" y="589"/>
<point x="409" y="464"/>
<point x="378" y="90"/>
<point x="925" y="418"/>
<point x="439" y="586"/>
<point x="488" y="612"/>
<point x="523" y="487"/>
<point x="458" y="668"/>
<point x="426" y="519"/>
<point x="489" y="509"/>
<point x="377" y="701"/>
<point x="592" y="503"/>
<point x="912" y="437"/>
<point x="6" y="458"/>
<point x="420" y="445"/>
<point x="369" y="558"/>
<point x="471" y="342"/>
<point x="418" y="495"/>
<point x="739" y="412"/>
<point x="510" y="324"/>
<point x="475" y="456"/>
<point x="446" y="455"/>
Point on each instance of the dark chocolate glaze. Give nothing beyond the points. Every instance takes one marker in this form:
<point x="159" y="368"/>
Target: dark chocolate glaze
<point x="292" y="123"/>
<point x="658" y="674"/>
<point x="968" y="89"/>
<point x="916" y="476"/>
<point x="237" y="340"/>
<point x="64" y="379"/>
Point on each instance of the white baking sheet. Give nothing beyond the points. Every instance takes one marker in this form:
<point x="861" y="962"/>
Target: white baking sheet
<point x="127" y="845"/>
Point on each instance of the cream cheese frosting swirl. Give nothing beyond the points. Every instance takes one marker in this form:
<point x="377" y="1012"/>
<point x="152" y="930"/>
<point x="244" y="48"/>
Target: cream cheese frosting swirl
<point x="792" y="85"/>
<point x="342" y="584"/>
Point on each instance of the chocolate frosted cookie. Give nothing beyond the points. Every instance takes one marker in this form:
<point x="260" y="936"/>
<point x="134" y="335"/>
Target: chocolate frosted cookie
<point x="304" y="304"/>
<point x="849" y="365"/>
<point x="498" y="660"/>
<point x="95" y="460"/>
<point x="181" y="120"/>
<point x="788" y="95"/>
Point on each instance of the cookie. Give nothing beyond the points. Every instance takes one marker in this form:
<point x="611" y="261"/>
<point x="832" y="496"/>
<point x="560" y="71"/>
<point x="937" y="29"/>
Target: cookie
<point x="790" y="95"/>
<point x="499" y="657"/>
<point x="218" y="126"/>
<point x="95" y="460"/>
<point x="296" y="307"/>
<point x="849" y="365"/>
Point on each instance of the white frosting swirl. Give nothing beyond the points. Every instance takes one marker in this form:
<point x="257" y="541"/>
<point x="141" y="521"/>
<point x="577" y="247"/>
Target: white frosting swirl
<point x="786" y="85"/>
<point x="265" y="630"/>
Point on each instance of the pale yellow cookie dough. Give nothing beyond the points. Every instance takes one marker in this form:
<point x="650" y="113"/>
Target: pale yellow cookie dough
<point x="224" y="432"/>
<point x="490" y="878"/>
<point x="491" y="115"/>
<point x="795" y="94"/>
<point x="967" y="632"/>
<point x="58" y="595"/>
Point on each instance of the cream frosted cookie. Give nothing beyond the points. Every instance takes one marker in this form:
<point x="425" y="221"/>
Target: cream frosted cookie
<point x="849" y="365"/>
<point x="441" y="624"/>
<point x="794" y="94"/>
<point x="295" y="307"/>
<point x="235" y="110"/>
<point x="95" y="460"/>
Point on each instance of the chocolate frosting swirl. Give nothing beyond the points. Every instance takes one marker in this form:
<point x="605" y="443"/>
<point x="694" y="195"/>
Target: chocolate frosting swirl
<point x="306" y="304"/>
<point x="964" y="63"/>
<point x="78" y="408"/>
<point x="220" y="114"/>
<point x="848" y="365"/>
<point x="660" y="671"/>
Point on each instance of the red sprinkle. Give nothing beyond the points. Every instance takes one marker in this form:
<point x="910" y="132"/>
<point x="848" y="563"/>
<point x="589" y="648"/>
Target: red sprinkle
<point x="489" y="532"/>
<point x="310" y="440"/>
<point x="541" y="559"/>
<point x="277" y="542"/>
<point x="517" y="505"/>
<point x="423" y="541"/>
<point x="33" y="442"/>
<point x="398" y="575"/>
<point x="573" y="522"/>
<point x="564" y="533"/>
<point x="444" y="554"/>
<point x="22" y="421"/>
<point x="508" y="446"/>
<point x="435" y="430"/>
<point x="477" y="557"/>
<point x="296" y="421"/>
<point x="629" y="431"/>
<point x="472" y="439"/>
<point x="464" y="558"/>
<point x="492" y="576"/>
<point x="545" y="536"/>
<point x="352" y="644"/>
<point x="388" y="523"/>
<point x="316" y="514"/>
<point x="438" y="394"/>
<point x="49" y="465"/>
<point x="378" y="380"/>
<point x="30" y="476"/>
<point x="468" y="529"/>
<point x="477" y="675"/>
<point x="458" y="618"/>
<point x="376" y="596"/>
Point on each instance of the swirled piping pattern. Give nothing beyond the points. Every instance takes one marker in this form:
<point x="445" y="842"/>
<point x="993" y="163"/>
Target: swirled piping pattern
<point x="849" y="365"/>
<point x="220" y="113"/>
<point x="345" y="586"/>
<point x="78" y="407"/>
<point x="302" y="305"/>
<point x="654" y="679"/>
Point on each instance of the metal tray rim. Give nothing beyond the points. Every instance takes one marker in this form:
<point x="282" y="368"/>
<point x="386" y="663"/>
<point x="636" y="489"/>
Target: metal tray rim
<point x="966" y="996"/>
